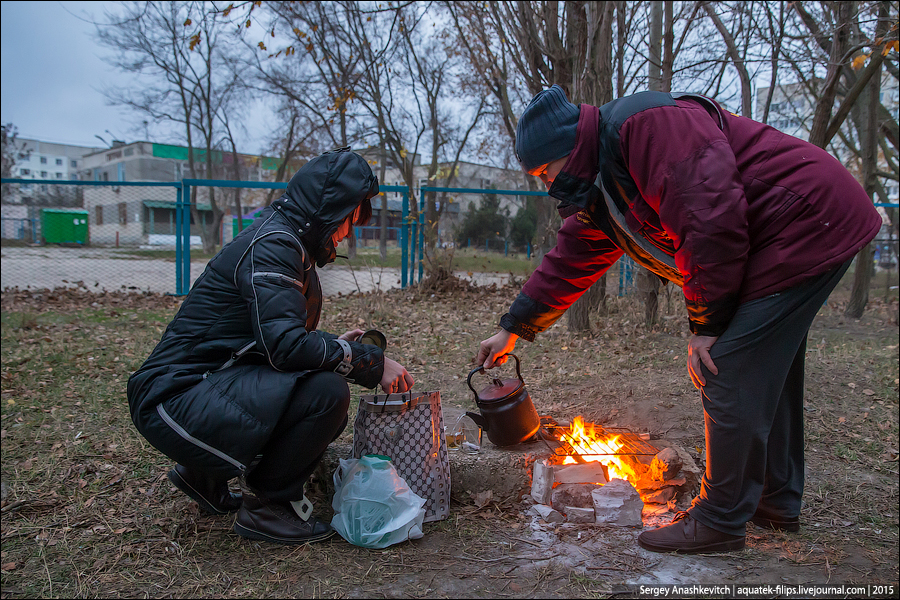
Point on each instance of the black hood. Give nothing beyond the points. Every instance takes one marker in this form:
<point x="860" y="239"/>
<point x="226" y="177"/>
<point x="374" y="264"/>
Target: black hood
<point x="323" y="193"/>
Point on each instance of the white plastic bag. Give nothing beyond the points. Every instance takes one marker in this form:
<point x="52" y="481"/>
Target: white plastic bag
<point x="373" y="505"/>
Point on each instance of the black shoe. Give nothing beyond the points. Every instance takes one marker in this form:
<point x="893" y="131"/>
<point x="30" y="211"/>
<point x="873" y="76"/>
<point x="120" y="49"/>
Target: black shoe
<point x="214" y="497"/>
<point x="767" y="520"/>
<point x="269" y="521"/>
<point x="687" y="535"/>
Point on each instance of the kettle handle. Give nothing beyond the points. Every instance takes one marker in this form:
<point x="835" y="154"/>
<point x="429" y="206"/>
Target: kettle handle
<point x="479" y="420"/>
<point x="475" y="370"/>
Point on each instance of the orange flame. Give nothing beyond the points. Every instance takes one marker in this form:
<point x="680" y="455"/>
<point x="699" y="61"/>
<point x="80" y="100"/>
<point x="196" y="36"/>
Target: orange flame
<point x="596" y="447"/>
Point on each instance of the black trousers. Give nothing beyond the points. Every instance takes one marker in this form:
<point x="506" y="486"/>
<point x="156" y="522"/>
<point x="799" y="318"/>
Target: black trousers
<point x="276" y="424"/>
<point x="753" y="409"/>
<point x="315" y="417"/>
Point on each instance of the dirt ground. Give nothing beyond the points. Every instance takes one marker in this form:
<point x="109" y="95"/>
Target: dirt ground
<point x="140" y="537"/>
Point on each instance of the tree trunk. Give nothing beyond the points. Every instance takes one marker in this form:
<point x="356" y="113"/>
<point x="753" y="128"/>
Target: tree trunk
<point x="650" y="289"/>
<point x="654" y="64"/>
<point x="285" y="157"/>
<point x="825" y="102"/>
<point x="862" y="279"/>
<point x="579" y="313"/>
<point x="383" y="221"/>
<point x="351" y="243"/>
<point x="736" y="59"/>
<point x="859" y="295"/>
<point x="594" y="87"/>
<point x="648" y="282"/>
<point x="600" y="297"/>
<point x="239" y="210"/>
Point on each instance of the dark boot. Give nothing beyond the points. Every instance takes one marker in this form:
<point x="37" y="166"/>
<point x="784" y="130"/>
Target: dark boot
<point x="269" y="521"/>
<point x="767" y="520"/>
<point x="214" y="497"/>
<point x="687" y="535"/>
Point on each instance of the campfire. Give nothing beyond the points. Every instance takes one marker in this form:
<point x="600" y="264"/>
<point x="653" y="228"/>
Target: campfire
<point x="606" y="475"/>
<point x="590" y="443"/>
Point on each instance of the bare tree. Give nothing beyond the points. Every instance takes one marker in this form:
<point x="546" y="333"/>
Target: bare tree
<point x="174" y="47"/>
<point x="434" y="75"/>
<point x="595" y="87"/>
<point x="290" y="144"/>
<point x="649" y="282"/>
<point x="542" y="43"/>
<point x="869" y="129"/>
<point x="323" y="81"/>
<point x="236" y="172"/>
<point x="213" y="91"/>
<point x="837" y="38"/>
<point x="9" y="154"/>
<point x="343" y="70"/>
<point x="773" y="36"/>
<point x="9" y="148"/>
<point x="735" y="54"/>
<point x="840" y="42"/>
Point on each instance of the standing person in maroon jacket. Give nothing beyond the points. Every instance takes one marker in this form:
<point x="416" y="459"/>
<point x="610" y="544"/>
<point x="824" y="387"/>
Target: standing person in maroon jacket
<point x="756" y="226"/>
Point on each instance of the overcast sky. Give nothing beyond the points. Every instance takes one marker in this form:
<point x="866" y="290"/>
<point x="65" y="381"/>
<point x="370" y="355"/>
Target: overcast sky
<point x="52" y="74"/>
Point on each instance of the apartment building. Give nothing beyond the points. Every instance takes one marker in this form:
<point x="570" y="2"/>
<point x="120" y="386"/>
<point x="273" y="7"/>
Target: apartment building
<point x="45" y="162"/>
<point x="130" y="215"/>
<point x="455" y="204"/>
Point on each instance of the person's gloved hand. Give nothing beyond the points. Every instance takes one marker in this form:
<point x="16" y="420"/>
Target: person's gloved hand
<point x="492" y="351"/>
<point x="396" y="378"/>
<point x="698" y="351"/>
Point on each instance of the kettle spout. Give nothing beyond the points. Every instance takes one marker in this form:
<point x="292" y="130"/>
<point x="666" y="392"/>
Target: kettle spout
<point x="479" y="420"/>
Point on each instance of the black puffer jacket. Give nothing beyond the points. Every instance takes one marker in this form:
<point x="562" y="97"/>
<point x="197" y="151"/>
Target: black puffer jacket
<point x="259" y="300"/>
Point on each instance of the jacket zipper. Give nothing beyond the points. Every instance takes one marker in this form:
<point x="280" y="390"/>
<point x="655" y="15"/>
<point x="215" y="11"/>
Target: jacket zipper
<point x="646" y="252"/>
<point x="235" y="356"/>
<point x="290" y="280"/>
<point x="187" y="436"/>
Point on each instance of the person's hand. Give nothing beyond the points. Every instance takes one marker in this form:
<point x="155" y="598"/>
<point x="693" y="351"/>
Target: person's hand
<point x="352" y="335"/>
<point x="492" y="351"/>
<point x="396" y="379"/>
<point x="698" y="351"/>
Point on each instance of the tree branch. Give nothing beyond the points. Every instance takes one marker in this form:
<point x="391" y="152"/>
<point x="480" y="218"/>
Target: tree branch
<point x="851" y="97"/>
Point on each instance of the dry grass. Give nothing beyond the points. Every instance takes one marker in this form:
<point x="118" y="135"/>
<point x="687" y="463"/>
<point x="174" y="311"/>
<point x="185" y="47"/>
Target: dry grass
<point x="87" y="510"/>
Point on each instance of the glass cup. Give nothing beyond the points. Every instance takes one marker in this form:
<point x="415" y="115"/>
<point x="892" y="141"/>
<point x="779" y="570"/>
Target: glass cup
<point x="465" y="435"/>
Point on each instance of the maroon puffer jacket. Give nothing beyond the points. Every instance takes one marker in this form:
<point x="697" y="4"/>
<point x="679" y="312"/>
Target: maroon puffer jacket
<point x="744" y="210"/>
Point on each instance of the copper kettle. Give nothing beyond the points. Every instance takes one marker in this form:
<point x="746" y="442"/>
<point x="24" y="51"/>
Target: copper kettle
<point x="507" y="414"/>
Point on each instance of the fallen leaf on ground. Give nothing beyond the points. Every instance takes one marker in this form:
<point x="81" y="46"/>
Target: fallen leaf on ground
<point x="483" y="498"/>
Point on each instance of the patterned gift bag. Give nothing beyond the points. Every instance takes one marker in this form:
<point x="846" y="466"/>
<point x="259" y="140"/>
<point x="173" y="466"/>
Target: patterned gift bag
<point x="409" y="429"/>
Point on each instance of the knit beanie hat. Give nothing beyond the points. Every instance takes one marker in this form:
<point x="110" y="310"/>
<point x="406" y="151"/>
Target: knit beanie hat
<point x="546" y="130"/>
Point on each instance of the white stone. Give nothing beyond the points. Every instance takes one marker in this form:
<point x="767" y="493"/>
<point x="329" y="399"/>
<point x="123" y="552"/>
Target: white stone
<point x="575" y="514"/>
<point x="591" y="472"/>
<point x="542" y="482"/>
<point x="572" y="494"/>
<point x="618" y="503"/>
<point x="547" y="513"/>
<point x="665" y="465"/>
<point x="689" y="469"/>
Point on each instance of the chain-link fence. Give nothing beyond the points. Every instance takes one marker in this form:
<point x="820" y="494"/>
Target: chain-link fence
<point x="100" y="235"/>
<point x="158" y="236"/>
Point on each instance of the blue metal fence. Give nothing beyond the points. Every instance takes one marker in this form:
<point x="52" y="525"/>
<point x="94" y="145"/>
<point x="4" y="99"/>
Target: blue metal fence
<point x="22" y="229"/>
<point x="410" y="233"/>
<point x="420" y="224"/>
<point x="183" y="220"/>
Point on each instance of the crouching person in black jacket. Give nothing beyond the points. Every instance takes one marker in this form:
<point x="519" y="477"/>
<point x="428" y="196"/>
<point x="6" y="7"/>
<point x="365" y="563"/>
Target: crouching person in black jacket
<point x="242" y="383"/>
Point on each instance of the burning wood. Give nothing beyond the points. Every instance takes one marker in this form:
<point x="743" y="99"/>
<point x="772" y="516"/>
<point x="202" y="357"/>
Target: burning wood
<point x="592" y="445"/>
<point x="604" y="477"/>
